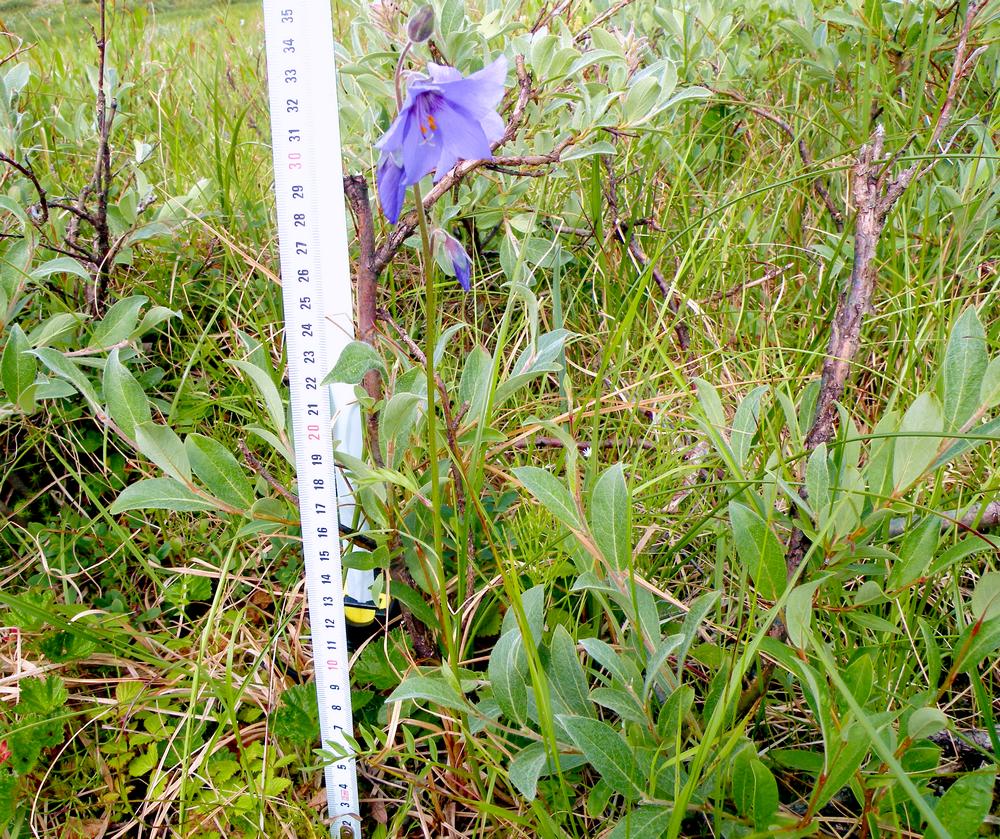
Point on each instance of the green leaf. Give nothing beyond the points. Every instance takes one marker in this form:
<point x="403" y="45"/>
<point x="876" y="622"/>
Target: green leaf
<point x="525" y="768"/>
<point x="55" y="328"/>
<point x="434" y="689"/>
<point x="218" y="469"/>
<point x="566" y="674"/>
<point x="163" y="447"/>
<point x="8" y="797"/>
<point x="17" y="370"/>
<point x="551" y="493"/>
<point x="119" y="323"/>
<point x="618" y="666"/>
<point x="397" y="422"/>
<point x="657" y="657"/>
<point x="915" y="554"/>
<point x="356" y="359"/>
<point x="965" y="806"/>
<point x="474" y="387"/>
<point x="268" y="392"/>
<point x="965" y="361"/>
<point x="985" y="601"/>
<point x="989" y="394"/>
<point x="508" y="673"/>
<point x="755" y="792"/>
<point x="606" y="751"/>
<point x="646" y="822"/>
<point x="844" y="755"/>
<point x="818" y="484"/>
<point x="985" y="433"/>
<point x="745" y="423"/>
<point x="977" y="641"/>
<point x="697" y="610"/>
<point x="41" y="696"/>
<point x="68" y="370"/>
<point x="611" y="517"/>
<point x="127" y="402"/>
<point x="160" y="494"/>
<point x="61" y="265"/>
<point x="297" y="717"/>
<point x="153" y="317"/>
<point x="711" y="404"/>
<point x="913" y="454"/>
<point x="924" y="722"/>
<point x="759" y="550"/>
<point x="798" y="613"/>
<point x="144" y="763"/>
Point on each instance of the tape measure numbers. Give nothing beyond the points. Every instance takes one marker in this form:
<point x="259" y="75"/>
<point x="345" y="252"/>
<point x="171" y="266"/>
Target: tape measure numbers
<point x="319" y="322"/>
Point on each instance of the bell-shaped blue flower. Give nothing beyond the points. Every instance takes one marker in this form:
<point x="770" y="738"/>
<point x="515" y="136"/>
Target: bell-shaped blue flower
<point x="446" y="118"/>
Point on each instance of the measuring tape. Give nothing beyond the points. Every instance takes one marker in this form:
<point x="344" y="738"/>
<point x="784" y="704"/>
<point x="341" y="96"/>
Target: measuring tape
<point x="319" y="322"/>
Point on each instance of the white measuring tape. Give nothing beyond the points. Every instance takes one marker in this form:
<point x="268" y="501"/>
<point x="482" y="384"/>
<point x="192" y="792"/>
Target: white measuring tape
<point x="319" y="322"/>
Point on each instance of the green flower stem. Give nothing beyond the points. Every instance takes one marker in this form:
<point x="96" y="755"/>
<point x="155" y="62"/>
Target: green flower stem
<point x="432" y="448"/>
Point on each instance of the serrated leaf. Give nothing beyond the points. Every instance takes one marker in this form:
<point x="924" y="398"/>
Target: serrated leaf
<point x="163" y="447"/>
<point x="551" y="493"/>
<point x="356" y="359"/>
<point x="759" y="550"/>
<point x="127" y="402"/>
<point x="217" y="468"/>
<point x="965" y="361"/>
<point x="607" y="751"/>
<point x="42" y="696"/>
<point x="144" y="763"/>
<point x="160" y="494"/>
<point x="611" y="517"/>
<point x="913" y="454"/>
<point x="297" y="717"/>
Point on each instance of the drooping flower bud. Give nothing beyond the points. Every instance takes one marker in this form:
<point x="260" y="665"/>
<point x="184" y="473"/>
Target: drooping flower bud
<point x="420" y="26"/>
<point x="455" y="254"/>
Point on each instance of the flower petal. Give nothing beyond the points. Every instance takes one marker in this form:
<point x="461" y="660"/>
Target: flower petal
<point x="441" y="73"/>
<point x="480" y="93"/>
<point x="391" y="189"/>
<point x="461" y="136"/>
<point x="420" y="154"/>
<point x="493" y="126"/>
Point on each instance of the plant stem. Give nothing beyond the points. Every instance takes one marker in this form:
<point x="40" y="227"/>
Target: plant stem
<point x="432" y="447"/>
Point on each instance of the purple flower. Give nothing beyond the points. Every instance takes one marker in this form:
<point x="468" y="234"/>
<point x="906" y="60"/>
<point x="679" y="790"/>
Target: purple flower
<point x="445" y="118"/>
<point x="459" y="259"/>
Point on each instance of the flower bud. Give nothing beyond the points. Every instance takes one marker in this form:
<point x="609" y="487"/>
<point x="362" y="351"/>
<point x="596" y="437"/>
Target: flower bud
<point x="420" y="26"/>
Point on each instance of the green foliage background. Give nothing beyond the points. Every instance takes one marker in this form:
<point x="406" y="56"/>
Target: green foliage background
<point x="629" y="474"/>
